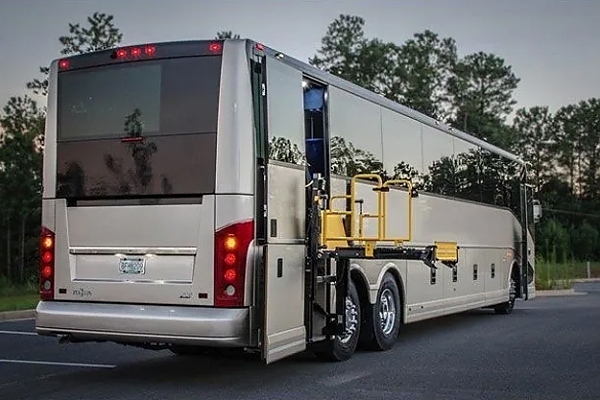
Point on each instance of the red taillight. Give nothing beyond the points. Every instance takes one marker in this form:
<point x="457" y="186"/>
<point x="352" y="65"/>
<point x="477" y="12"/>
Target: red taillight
<point x="47" y="264"/>
<point x="150" y="50"/>
<point x="63" y="64"/>
<point x="121" y="53"/>
<point x="136" y="52"/>
<point x="231" y="252"/>
<point x="215" y="47"/>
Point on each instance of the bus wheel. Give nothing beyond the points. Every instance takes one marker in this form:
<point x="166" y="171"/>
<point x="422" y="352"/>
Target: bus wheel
<point x="343" y="346"/>
<point x="506" y="308"/>
<point x="382" y="325"/>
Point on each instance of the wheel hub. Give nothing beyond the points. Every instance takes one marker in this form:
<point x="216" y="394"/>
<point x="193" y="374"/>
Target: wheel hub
<point x="387" y="311"/>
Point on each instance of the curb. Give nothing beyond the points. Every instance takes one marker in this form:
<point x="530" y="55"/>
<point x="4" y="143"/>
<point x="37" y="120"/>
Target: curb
<point x="15" y="315"/>
<point x="561" y="292"/>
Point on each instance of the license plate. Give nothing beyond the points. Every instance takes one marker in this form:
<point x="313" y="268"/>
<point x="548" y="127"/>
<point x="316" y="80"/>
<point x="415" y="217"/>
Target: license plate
<point x="132" y="265"/>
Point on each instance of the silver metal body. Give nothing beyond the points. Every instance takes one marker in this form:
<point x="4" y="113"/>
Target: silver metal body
<point x="163" y="306"/>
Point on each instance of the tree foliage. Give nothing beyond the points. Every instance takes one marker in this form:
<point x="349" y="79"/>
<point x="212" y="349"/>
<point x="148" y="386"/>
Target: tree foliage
<point x="227" y="35"/>
<point x="23" y="123"/>
<point x="422" y="71"/>
<point x="100" y="34"/>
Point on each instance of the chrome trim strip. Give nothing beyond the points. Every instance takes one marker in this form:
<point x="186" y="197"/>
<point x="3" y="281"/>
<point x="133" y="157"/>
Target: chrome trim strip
<point x="180" y="251"/>
<point x="130" y="281"/>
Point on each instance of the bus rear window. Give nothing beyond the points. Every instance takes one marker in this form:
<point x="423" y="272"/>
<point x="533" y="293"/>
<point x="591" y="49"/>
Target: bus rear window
<point x="157" y="97"/>
<point x="169" y="105"/>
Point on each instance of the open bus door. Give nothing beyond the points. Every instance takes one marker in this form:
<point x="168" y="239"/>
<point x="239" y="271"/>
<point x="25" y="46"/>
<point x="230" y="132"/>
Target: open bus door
<point x="280" y="288"/>
<point x="527" y="225"/>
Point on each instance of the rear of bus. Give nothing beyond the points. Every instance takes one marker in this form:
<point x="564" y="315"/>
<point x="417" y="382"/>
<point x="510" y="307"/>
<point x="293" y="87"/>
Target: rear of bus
<point x="147" y="214"/>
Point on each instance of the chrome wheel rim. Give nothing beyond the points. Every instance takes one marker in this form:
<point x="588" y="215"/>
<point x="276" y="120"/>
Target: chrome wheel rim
<point x="387" y="311"/>
<point x="351" y="320"/>
<point x="512" y="291"/>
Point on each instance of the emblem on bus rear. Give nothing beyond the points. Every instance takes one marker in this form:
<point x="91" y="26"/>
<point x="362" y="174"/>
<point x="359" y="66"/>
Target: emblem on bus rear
<point x="132" y="265"/>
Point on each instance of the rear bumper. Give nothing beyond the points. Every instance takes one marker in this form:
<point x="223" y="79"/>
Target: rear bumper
<point x="129" y="323"/>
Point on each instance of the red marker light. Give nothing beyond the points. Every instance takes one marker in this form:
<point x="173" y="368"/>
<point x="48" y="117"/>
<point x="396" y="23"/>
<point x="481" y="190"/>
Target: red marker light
<point x="136" y="52"/>
<point x="215" y="47"/>
<point x="230" y="275"/>
<point x="121" y="53"/>
<point x="259" y="46"/>
<point x="63" y="64"/>
<point x="150" y="50"/>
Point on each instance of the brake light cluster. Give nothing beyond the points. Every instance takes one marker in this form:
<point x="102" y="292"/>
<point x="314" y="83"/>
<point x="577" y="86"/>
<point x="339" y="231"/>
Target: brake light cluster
<point x="134" y="52"/>
<point x="231" y="251"/>
<point x="47" y="264"/>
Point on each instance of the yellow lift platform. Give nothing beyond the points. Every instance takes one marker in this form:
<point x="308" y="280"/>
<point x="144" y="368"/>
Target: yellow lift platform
<point x="333" y="229"/>
<point x="329" y="237"/>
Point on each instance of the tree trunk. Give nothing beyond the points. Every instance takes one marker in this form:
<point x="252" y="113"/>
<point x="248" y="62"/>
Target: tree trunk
<point x="8" y="275"/>
<point x="22" y="266"/>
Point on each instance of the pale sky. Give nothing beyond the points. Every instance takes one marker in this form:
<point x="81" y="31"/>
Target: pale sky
<point x="552" y="45"/>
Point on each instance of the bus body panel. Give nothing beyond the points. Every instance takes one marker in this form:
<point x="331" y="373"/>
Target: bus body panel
<point x="235" y="155"/>
<point x="486" y="235"/>
<point x="93" y="300"/>
<point x="49" y="159"/>
<point x="285" y="333"/>
<point x="91" y="241"/>
<point x="143" y="323"/>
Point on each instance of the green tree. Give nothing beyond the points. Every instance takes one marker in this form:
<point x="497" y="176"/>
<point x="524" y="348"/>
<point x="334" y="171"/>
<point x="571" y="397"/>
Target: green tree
<point x="227" y="35"/>
<point x="535" y="127"/>
<point x="20" y="181"/>
<point x="588" y="121"/>
<point x="100" y="34"/>
<point x="20" y="151"/>
<point x="554" y="237"/>
<point x="424" y="65"/>
<point x="481" y="92"/>
<point x="345" y="52"/>
<point x="585" y="240"/>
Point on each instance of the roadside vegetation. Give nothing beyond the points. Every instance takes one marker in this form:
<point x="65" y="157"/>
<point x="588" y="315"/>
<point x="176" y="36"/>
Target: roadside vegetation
<point x="18" y="296"/>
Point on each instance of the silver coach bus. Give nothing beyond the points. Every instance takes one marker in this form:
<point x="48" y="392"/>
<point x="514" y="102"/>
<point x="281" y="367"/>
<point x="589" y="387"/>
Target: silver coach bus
<point x="177" y="207"/>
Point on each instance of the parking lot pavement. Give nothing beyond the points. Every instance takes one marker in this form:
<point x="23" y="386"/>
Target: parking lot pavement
<point x="547" y="349"/>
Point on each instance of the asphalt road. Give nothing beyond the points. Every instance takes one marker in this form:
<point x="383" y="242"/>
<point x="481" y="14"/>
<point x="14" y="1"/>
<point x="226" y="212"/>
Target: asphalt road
<point x="549" y="348"/>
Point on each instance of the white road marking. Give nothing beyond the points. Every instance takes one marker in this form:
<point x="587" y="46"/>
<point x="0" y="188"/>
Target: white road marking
<point x="64" y="364"/>
<point x="18" y="333"/>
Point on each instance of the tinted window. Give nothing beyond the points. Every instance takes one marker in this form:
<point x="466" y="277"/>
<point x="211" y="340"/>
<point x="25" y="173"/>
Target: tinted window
<point x="402" y="155"/>
<point x="144" y="98"/>
<point x="286" y="113"/>
<point x="172" y="103"/>
<point x="468" y="170"/>
<point x="355" y="134"/>
<point x="438" y="160"/>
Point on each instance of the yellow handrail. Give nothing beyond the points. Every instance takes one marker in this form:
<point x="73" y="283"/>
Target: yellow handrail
<point x="353" y="202"/>
<point x="382" y="190"/>
<point x="409" y="185"/>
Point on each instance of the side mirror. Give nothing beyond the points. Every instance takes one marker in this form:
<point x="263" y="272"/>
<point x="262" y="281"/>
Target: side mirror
<point x="537" y="211"/>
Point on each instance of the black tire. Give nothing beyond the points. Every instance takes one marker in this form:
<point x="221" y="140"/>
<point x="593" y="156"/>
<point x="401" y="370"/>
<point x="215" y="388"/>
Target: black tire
<point x="383" y="320"/>
<point x="507" y="307"/>
<point x="341" y="349"/>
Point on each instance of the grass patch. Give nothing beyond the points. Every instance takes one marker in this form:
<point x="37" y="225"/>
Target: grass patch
<point x="554" y="275"/>
<point x="17" y="297"/>
<point x="19" y="302"/>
